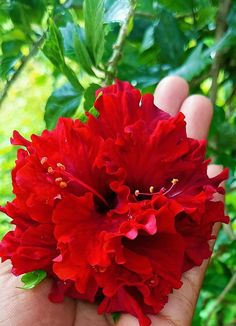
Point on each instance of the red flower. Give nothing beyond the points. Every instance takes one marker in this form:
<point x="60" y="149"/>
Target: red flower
<point x="115" y="209"/>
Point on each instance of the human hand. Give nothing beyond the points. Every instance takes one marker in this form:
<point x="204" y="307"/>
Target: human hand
<point x="20" y="307"/>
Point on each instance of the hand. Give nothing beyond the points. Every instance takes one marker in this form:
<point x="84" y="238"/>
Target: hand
<point x="23" y="308"/>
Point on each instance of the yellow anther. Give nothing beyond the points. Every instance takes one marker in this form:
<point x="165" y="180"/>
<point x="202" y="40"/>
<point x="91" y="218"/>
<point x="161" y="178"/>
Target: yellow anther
<point x="151" y="189"/>
<point x="43" y="160"/>
<point x="63" y="184"/>
<point x="58" y="180"/>
<point x="174" y="181"/>
<point x="61" y="166"/>
<point x="50" y="169"/>
<point x="136" y="193"/>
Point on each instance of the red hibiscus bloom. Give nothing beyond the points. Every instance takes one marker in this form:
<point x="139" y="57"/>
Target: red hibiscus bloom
<point x="116" y="209"/>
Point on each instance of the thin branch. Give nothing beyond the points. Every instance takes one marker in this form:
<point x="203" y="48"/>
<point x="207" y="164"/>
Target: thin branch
<point x="220" y="29"/>
<point x="24" y="62"/>
<point x="221" y="297"/>
<point x="119" y="45"/>
<point x="143" y="14"/>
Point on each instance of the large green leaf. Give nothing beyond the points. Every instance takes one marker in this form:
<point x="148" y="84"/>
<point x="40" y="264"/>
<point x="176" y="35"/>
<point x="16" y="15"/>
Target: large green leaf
<point x="82" y="53"/>
<point x="54" y="50"/>
<point x="116" y="11"/>
<point x="169" y="37"/>
<point x="62" y="103"/>
<point x="179" y="6"/>
<point x="197" y="61"/>
<point x="67" y="33"/>
<point x="7" y="65"/>
<point x="94" y="28"/>
<point x="89" y="96"/>
<point x="32" y="279"/>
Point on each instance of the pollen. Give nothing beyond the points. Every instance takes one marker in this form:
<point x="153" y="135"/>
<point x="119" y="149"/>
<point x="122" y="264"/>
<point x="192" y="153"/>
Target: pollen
<point x="58" y="180"/>
<point x="50" y="169"/>
<point x="43" y="160"/>
<point x="151" y="189"/>
<point x="63" y="184"/>
<point x="61" y="166"/>
<point x="174" y="181"/>
<point x="136" y="193"/>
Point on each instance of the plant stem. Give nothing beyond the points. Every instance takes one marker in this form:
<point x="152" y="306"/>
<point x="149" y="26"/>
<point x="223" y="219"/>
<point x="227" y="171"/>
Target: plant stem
<point x="119" y="45"/>
<point x="24" y="62"/>
<point x="220" y="29"/>
<point x="221" y="297"/>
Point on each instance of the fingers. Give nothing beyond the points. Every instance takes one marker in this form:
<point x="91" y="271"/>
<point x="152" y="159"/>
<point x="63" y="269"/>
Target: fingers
<point x="170" y="94"/>
<point x="198" y="113"/>
<point x="24" y="307"/>
<point x="86" y="315"/>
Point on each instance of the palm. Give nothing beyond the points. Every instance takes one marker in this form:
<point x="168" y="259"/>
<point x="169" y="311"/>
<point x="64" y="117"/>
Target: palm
<point x="20" y="307"/>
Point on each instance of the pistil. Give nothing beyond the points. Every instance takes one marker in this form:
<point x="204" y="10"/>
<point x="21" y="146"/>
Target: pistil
<point x="162" y="191"/>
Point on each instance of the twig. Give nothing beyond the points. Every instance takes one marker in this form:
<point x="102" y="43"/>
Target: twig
<point x="24" y="62"/>
<point x="221" y="297"/>
<point x="220" y="29"/>
<point x="147" y="15"/>
<point x="118" y="46"/>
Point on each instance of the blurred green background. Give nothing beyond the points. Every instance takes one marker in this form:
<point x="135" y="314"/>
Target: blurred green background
<point x="54" y="55"/>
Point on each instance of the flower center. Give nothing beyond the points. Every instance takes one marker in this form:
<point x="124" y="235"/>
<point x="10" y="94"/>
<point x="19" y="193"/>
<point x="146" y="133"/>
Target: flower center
<point x="162" y="191"/>
<point x="63" y="178"/>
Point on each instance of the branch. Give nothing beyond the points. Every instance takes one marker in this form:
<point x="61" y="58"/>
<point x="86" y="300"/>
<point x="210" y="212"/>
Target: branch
<point x="119" y="45"/>
<point x="220" y="29"/>
<point x="147" y="15"/>
<point x="221" y="297"/>
<point x="24" y="62"/>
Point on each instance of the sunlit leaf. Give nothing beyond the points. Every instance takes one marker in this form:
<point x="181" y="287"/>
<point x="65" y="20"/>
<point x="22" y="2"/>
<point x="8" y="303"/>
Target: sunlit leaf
<point x="62" y="103"/>
<point x="94" y="28"/>
<point x="32" y="279"/>
<point x="194" y="65"/>
<point x="82" y="53"/>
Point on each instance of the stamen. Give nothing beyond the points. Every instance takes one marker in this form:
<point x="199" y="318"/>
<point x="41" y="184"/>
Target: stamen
<point x="43" y="160"/>
<point x="50" y="169"/>
<point x="174" y="181"/>
<point x="61" y="166"/>
<point x="162" y="191"/>
<point x="151" y="189"/>
<point x="58" y="180"/>
<point x="63" y="184"/>
<point x="136" y="193"/>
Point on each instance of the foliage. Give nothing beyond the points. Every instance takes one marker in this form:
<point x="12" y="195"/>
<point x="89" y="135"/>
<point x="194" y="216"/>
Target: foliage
<point x="60" y="52"/>
<point x="32" y="279"/>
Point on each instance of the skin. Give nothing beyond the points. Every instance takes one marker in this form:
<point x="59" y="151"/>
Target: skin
<point x="20" y="308"/>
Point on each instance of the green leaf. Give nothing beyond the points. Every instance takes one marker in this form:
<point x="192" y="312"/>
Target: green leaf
<point x="54" y="50"/>
<point x="7" y="65"/>
<point x="117" y="11"/>
<point x="178" y="6"/>
<point x="62" y="103"/>
<point x="89" y="96"/>
<point x="82" y="53"/>
<point x="206" y="16"/>
<point x="53" y="46"/>
<point x="148" y="38"/>
<point x="197" y="61"/>
<point x="115" y="316"/>
<point x="94" y="28"/>
<point x="32" y="279"/>
<point x="169" y="37"/>
<point x="67" y="33"/>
